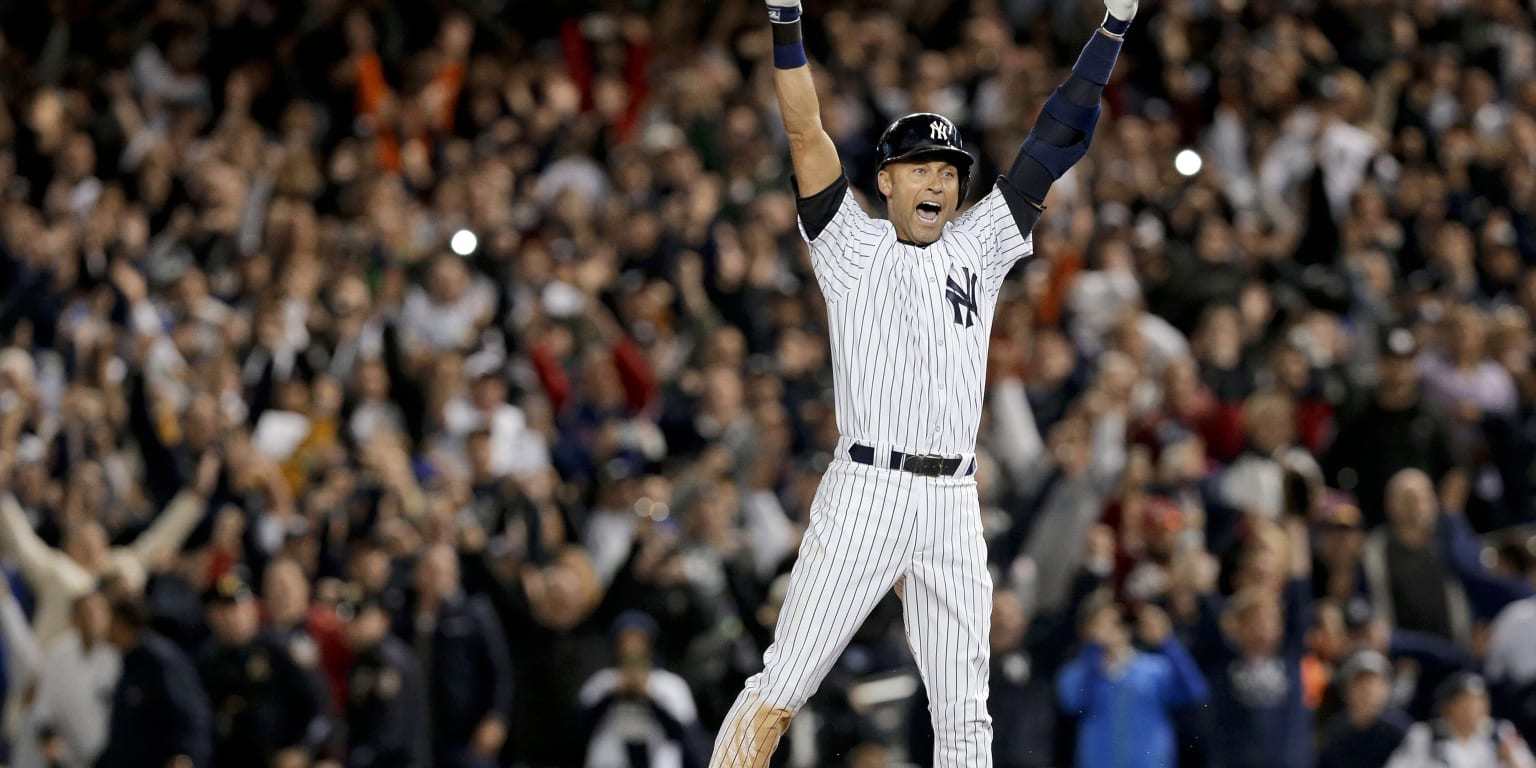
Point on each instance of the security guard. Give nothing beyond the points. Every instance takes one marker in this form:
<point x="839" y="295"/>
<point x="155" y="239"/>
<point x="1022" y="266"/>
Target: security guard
<point x="386" y="697"/>
<point x="160" y="714"/>
<point x="268" y="711"/>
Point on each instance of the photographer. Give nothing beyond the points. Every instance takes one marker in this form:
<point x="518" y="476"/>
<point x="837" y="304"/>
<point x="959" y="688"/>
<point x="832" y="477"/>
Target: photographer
<point x="637" y="715"/>
<point x="1118" y="690"/>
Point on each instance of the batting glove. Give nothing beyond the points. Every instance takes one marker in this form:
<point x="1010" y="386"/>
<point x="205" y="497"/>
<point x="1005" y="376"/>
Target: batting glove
<point x="1124" y="10"/>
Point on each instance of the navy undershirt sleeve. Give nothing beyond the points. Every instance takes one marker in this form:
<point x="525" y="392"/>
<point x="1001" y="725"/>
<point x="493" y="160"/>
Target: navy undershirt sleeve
<point x="1030" y="180"/>
<point x="816" y="211"/>
<point x="1026" y="212"/>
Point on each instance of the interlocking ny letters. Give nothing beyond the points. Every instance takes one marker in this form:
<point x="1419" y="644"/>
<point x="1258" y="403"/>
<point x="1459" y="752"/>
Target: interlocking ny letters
<point x="962" y="297"/>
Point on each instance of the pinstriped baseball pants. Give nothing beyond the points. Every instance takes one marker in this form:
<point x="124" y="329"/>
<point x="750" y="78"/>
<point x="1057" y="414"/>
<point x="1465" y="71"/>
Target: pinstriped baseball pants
<point x="868" y="528"/>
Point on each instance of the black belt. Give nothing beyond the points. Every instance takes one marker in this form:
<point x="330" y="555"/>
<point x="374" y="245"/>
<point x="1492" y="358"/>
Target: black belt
<point x="927" y="465"/>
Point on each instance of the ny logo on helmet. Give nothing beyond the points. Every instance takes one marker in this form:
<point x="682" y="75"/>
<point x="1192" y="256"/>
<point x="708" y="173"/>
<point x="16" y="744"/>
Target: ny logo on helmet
<point x="939" y="130"/>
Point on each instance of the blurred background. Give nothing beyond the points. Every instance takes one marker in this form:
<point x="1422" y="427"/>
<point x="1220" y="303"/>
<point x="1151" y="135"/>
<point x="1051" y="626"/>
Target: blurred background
<point x="444" y="383"/>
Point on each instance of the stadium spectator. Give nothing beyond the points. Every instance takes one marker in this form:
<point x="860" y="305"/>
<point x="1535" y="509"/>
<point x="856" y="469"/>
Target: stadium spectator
<point x="1368" y="730"/>
<point x="61" y="577"/>
<point x="1251" y="649"/>
<point x="637" y="713"/>
<point x="160" y="713"/>
<point x="464" y="660"/>
<point x="1464" y="735"/>
<point x="267" y="709"/>
<point x="66" y="688"/>
<point x="1115" y="689"/>
<point x="311" y="633"/>
<point x="387" y="715"/>
<point x="1390" y="432"/>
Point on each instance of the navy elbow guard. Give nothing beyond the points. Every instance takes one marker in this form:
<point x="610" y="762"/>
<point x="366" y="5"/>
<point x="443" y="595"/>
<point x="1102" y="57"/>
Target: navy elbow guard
<point x="1061" y="135"/>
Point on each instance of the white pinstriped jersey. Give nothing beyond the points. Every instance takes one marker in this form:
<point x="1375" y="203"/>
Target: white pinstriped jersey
<point x="910" y="325"/>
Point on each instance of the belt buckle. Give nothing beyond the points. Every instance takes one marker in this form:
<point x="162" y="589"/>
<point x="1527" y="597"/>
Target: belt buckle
<point x="927" y="465"/>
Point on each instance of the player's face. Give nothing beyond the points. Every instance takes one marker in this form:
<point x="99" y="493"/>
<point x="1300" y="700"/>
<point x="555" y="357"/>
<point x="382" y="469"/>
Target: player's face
<point x="921" y="195"/>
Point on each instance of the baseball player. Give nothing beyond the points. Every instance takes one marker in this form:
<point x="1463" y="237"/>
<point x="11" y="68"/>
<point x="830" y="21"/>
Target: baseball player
<point x="910" y="303"/>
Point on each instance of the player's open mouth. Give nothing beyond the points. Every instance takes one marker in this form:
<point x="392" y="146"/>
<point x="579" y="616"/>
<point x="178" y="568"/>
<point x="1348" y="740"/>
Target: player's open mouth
<point x="929" y="212"/>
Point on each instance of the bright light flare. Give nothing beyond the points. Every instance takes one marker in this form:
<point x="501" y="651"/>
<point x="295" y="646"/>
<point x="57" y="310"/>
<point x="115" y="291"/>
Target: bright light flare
<point x="1188" y="162"/>
<point x="463" y="242"/>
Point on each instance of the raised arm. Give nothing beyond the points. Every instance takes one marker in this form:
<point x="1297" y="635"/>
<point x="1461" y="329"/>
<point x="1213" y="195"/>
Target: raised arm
<point x="165" y="536"/>
<point x="1060" y="137"/>
<point x="23" y="658"/>
<point x="39" y="562"/>
<point x="810" y="148"/>
<point x="1062" y="133"/>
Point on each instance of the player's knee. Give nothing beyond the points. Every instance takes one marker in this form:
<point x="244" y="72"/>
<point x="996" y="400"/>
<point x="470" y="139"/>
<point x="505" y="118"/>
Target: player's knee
<point x="960" y="718"/>
<point x="777" y="691"/>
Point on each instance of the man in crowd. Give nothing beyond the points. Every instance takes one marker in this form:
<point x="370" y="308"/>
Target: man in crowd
<point x="1392" y="431"/>
<point x="61" y="576"/>
<point x="1464" y="735"/>
<point x="268" y="711"/>
<point x="388" y="721"/>
<point x="160" y="713"/>
<point x="310" y="632"/>
<point x="1369" y="729"/>
<point x="463" y="656"/>
<point x="65" y="689"/>
<point x="637" y="714"/>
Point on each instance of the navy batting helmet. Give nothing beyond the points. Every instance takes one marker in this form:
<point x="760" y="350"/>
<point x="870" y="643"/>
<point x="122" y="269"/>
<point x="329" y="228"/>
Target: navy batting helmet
<point x="925" y="134"/>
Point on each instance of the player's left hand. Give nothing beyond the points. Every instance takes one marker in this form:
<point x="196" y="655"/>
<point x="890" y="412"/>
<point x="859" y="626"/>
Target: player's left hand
<point x="1124" y="10"/>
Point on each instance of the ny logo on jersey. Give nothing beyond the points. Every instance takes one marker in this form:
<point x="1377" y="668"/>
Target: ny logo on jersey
<point x="939" y="130"/>
<point x="963" y="297"/>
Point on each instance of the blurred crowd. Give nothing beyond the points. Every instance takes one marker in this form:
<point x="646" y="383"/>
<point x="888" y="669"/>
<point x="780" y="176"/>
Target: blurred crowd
<point x="444" y="383"/>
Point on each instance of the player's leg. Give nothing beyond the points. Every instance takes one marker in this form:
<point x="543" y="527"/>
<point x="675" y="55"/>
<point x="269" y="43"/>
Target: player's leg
<point x="859" y="540"/>
<point x="948" y="612"/>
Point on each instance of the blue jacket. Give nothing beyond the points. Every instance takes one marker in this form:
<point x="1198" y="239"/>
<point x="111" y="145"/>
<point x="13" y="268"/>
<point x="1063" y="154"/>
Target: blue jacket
<point x="1125" y="720"/>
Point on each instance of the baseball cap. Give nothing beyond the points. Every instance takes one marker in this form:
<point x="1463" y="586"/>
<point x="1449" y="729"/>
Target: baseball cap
<point x="635" y="620"/>
<point x="1458" y="684"/>
<point x="1365" y="662"/>
<point x="228" y="589"/>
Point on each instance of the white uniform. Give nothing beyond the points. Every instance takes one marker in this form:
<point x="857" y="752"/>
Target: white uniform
<point x="909" y="330"/>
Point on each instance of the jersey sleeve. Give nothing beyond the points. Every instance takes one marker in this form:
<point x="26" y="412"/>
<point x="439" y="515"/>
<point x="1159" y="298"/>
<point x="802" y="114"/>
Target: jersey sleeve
<point x="840" y="236"/>
<point x="1001" y="223"/>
